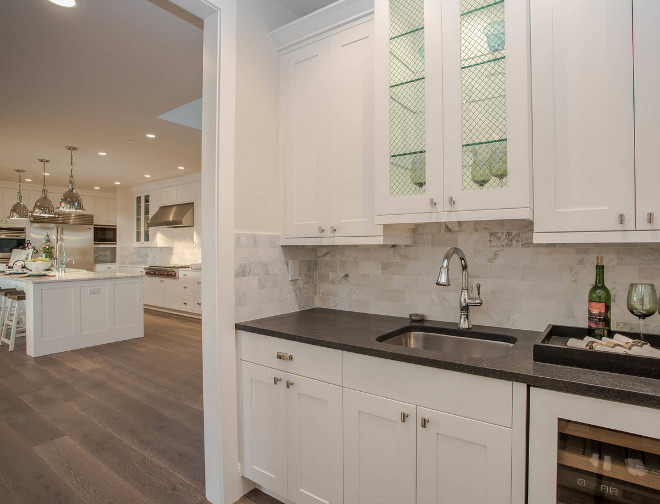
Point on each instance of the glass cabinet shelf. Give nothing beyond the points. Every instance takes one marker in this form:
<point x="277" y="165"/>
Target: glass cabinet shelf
<point x="490" y="60"/>
<point x="414" y="30"/>
<point x="484" y="142"/>
<point x="487" y="5"/>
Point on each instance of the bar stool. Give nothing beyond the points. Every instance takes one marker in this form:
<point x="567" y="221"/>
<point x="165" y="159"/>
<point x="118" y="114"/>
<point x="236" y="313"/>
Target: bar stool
<point x="4" y="303"/>
<point x="15" y="319"/>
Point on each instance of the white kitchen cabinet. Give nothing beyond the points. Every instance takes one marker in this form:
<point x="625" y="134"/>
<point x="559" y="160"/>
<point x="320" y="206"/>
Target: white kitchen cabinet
<point x="305" y="139"/>
<point x="143" y="211"/>
<point x="327" y="141"/>
<point x="591" y="450"/>
<point x="112" y="211"/>
<point x="314" y="441"/>
<point x="646" y="40"/>
<point x="156" y="291"/>
<point x="263" y="399"/>
<point x="99" y="208"/>
<point x="182" y="294"/>
<point x="379" y="450"/>
<point x="582" y="80"/>
<point x="460" y="460"/>
<point x="453" y="123"/>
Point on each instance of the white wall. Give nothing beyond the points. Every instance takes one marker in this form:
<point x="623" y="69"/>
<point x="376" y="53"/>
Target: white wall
<point x="257" y="115"/>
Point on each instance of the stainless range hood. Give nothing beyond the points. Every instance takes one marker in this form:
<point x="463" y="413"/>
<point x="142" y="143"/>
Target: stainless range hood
<point x="180" y="215"/>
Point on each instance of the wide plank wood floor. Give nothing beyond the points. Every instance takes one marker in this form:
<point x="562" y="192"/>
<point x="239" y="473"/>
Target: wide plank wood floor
<point x="118" y="423"/>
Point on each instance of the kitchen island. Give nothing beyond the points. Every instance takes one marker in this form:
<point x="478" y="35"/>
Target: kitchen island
<point x="79" y="309"/>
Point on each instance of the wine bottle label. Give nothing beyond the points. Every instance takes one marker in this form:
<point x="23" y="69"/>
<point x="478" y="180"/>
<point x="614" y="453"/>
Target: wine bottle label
<point x="597" y="315"/>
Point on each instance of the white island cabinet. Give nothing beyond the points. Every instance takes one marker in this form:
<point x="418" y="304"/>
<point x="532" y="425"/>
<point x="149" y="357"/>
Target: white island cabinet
<point x="79" y="309"/>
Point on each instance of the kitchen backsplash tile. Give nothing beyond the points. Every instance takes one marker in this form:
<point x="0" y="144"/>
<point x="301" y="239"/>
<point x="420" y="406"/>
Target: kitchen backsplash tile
<point x="262" y="287"/>
<point x="523" y="285"/>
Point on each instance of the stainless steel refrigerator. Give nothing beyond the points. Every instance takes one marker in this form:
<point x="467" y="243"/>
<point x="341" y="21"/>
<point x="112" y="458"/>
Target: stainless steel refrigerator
<point x="78" y="242"/>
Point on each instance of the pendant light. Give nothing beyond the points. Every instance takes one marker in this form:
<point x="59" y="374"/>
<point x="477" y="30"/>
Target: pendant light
<point x="19" y="210"/>
<point x="44" y="207"/>
<point x="71" y="200"/>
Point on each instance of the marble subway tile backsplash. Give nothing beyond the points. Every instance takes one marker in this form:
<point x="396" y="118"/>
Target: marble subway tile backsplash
<point x="262" y="287"/>
<point x="523" y="285"/>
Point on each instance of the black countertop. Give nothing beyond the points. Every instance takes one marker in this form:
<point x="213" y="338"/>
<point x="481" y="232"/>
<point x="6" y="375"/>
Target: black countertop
<point x="358" y="332"/>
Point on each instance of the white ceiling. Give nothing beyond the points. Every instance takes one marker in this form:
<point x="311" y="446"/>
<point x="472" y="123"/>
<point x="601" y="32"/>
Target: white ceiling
<point x="97" y="76"/>
<point x="304" y="7"/>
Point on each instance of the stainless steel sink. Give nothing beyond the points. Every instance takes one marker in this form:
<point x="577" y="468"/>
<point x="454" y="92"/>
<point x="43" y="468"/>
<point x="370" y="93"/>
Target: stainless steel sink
<point x="479" y="345"/>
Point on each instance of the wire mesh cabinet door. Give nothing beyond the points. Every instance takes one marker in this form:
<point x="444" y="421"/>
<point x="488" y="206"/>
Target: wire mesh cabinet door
<point x="487" y="104"/>
<point x="408" y="107"/>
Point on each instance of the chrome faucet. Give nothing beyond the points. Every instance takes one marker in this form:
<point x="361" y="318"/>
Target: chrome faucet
<point x="466" y="300"/>
<point x="60" y="254"/>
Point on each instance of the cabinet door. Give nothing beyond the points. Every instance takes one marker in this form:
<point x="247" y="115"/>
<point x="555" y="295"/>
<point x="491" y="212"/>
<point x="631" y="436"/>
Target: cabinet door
<point x="99" y="210"/>
<point x="352" y="132"/>
<point x="582" y="97"/>
<point x="408" y="37"/>
<point x="306" y="141"/>
<point x="112" y="211"/>
<point x="462" y="461"/>
<point x="263" y="400"/>
<point x="314" y="441"/>
<point x="487" y="105"/>
<point x="186" y="193"/>
<point x="168" y="196"/>
<point x="646" y="19"/>
<point x="157" y="291"/>
<point x="172" y="291"/>
<point x="379" y="450"/>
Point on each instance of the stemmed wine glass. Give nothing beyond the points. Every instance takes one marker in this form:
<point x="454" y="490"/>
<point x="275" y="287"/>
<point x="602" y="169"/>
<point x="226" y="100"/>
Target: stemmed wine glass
<point x="642" y="302"/>
<point x="481" y="174"/>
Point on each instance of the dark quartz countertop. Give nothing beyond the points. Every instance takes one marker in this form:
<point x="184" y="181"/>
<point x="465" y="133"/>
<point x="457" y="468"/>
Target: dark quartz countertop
<point x="358" y="332"/>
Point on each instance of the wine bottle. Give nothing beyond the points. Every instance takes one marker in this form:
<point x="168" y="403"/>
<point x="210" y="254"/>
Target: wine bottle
<point x="600" y="304"/>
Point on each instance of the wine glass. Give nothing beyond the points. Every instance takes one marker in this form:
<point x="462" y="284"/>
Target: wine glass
<point x="498" y="162"/>
<point x="481" y="174"/>
<point x="642" y="302"/>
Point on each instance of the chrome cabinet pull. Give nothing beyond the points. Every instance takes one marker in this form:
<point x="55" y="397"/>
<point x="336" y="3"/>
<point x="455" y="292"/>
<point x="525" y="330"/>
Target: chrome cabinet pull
<point x="276" y="380"/>
<point x="650" y="218"/>
<point x="451" y="201"/>
<point x="333" y="229"/>
<point x="425" y="422"/>
<point x="289" y="384"/>
<point x="621" y="218"/>
<point x="433" y="202"/>
<point x="284" y="356"/>
<point x="404" y="415"/>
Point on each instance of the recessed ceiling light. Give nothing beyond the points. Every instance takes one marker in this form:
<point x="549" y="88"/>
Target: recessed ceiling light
<point x="117" y="183"/>
<point x="181" y="168"/>
<point x="151" y="135"/>
<point x="97" y="187"/>
<point x="65" y="3"/>
<point x="103" y="153"/>
<point x="28" y="180"/>
<point x="147" y="176"/>
<point x="47" y="174"/>
<point x="130" y="141"/>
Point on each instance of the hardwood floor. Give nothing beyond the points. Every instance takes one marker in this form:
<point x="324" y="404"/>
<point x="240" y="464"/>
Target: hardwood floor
<point x="118" y="423"/>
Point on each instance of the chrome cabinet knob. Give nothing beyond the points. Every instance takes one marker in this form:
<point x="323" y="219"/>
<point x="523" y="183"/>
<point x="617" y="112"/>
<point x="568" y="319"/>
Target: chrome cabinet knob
<point x="321" y="229"/>
<point x="433" y="202"/>
<point x="333" y="229"/>
<point x="650" y="218"/>
<point x="451" y="201"/>
<point x="621" y="218"/>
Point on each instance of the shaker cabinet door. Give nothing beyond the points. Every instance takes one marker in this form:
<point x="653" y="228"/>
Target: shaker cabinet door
<point x="306" y="141"/>
<point x="263" y="397"/>
<point x="314" y="441"/>
<point x="379" y="450"/>
<point x="352" y="132"/>
<point x="646" y="19"/>
<point x="461" y="461"/>
<point x="582" y="96"/>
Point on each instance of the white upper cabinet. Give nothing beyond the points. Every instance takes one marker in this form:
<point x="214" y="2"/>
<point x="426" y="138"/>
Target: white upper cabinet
<point x="453" y="124"/>
<point x="305" y="133"/>
<point x="646" y="41"/>
<point x="486" y="106"/>
<point x="352" y="132"/>
<point x="582" y="81"/>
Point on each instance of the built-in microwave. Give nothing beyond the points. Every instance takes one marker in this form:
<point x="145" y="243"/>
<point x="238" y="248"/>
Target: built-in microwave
<point x="10" y="238"/>
<point x="105" y="235"/>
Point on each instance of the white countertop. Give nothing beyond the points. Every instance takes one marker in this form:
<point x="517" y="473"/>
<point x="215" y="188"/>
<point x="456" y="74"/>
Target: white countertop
<point x="72" y="276"/>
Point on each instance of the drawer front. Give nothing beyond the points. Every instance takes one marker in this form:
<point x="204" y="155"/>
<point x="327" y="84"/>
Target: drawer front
<point x="197" y="303"/>
<point x="462" y="394"/>
<point x="186" y="303"/>
<point x="308" y="360"/>
<point x="197" y="285"/>
<point x="187" y="285"/>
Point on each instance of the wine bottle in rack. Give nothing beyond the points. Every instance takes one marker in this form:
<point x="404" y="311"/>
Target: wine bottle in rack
<point x="600" y="305"/>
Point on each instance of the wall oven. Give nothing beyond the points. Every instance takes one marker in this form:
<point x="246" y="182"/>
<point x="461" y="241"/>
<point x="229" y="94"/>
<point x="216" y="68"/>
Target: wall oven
<point x="10" y="238"/>
<point x="105" y="235"/>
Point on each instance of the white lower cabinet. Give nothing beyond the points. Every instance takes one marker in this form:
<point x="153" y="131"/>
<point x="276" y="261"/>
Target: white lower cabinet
<point x="462" y="461"/>
<point x="314" y="441"/>
<point x="379" y="450"/>
<point x="292" y="434"/>
<point x="264" y="426"/>
<point x="311" y="442"/>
